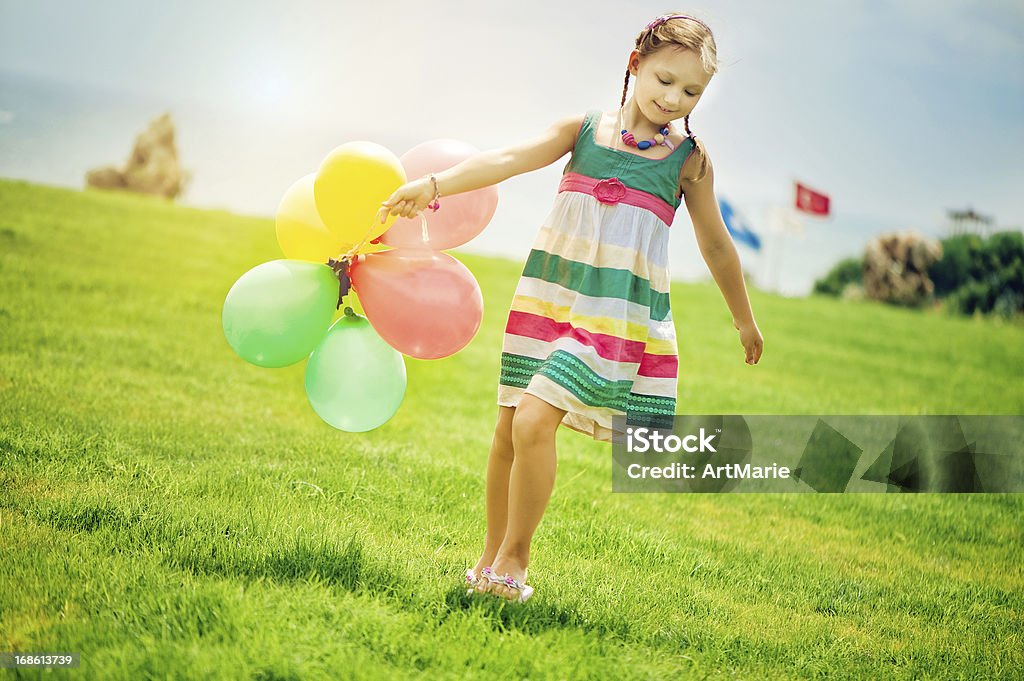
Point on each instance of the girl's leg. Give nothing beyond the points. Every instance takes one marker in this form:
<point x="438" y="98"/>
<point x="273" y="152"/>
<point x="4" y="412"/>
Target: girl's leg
<point x="530" y="484"/>
<point x="499" y="464"/>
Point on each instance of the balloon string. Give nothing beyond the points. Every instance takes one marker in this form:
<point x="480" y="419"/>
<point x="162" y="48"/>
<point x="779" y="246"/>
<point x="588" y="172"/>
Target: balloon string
<point x="340" y="266"/>
<point x="352" y="251"/>
<point x="342" y="263"/>
<point x="355" y="249"/>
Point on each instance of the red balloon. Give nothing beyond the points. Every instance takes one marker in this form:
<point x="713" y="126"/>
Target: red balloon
<point x="425" y="304"/>
<point x="460" y="217"/>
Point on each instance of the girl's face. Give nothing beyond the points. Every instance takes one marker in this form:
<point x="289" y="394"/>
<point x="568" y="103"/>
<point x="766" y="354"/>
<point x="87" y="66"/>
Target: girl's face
<point x="669" y="83"/>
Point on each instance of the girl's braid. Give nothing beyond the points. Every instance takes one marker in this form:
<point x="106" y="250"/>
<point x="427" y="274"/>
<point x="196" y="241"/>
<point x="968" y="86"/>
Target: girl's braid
<point x="696" y="37"/>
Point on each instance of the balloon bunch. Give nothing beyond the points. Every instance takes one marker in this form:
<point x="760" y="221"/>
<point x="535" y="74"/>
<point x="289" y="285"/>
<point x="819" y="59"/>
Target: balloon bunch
<point x="418" y="300"/>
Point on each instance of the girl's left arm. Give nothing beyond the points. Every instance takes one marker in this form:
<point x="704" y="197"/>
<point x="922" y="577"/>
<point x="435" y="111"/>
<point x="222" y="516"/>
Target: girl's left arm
<point x="718" y="251"/>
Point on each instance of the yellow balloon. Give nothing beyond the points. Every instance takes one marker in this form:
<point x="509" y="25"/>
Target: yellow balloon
<point x="301" y="233"/>
<point x="351" y="184"/>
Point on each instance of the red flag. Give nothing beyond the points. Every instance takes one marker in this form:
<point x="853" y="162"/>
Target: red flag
<point x="810" y="201"/>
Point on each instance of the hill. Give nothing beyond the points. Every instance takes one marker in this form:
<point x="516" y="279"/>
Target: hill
<point x="169" y="510"/>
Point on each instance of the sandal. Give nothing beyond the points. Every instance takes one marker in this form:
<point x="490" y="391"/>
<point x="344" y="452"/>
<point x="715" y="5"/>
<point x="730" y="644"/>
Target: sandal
<point x="525" y="591"/>
<point x="473" y="581"/>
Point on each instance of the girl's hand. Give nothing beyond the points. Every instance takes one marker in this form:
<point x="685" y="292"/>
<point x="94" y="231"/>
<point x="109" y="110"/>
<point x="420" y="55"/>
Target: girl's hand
<point x="408" y="200"/>
<point x="750" y="338"/>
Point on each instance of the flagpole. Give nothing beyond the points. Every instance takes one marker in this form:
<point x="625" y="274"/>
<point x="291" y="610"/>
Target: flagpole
<point x="779" y="245"/>
<point x="782" y="224"/>
<point x="774" y="257"/>
<point x="766" y="219"/>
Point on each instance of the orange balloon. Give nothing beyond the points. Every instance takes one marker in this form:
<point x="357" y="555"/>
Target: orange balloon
<point x="425" y="304"/>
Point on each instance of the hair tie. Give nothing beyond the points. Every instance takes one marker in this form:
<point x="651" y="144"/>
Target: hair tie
<point x="665" y="17"/>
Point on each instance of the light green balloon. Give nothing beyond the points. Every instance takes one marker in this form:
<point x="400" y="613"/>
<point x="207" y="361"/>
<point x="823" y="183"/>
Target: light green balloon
<point x="277" y="312"/>
<point x="354" y="380"/>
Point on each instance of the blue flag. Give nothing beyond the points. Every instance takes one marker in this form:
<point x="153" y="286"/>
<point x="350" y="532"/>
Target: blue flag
<point x="738" y="227"/>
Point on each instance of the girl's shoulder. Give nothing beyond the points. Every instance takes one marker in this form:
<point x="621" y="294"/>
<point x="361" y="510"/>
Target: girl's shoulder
<point x="698" y="156"/>
<point x="697" y="164"/>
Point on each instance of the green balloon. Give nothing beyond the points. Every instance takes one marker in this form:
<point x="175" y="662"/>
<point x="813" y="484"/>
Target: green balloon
<point x="354" y="380"/>
<point x="277" y="312"/>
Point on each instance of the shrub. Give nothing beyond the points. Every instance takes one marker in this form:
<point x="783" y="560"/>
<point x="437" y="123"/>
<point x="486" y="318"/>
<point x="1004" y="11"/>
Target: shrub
<point x="848" y="271"/>
<point x="977" y="275"/>
<point x="954" y="268"/>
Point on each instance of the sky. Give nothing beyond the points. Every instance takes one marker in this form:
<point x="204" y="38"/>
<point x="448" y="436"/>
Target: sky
<point x="898" y="111"/>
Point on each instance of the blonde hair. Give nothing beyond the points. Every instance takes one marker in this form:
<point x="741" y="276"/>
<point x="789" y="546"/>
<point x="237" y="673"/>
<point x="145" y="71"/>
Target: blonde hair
<point x="689" y="33"/>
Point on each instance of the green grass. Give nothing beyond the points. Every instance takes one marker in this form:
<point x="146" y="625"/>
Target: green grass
<point x="169" y="511"/>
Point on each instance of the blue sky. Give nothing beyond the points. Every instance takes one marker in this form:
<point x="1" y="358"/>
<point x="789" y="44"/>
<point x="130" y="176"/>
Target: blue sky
<point x="898" y="110"/>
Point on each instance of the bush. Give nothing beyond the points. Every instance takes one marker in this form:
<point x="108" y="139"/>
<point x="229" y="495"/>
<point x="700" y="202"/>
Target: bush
<point x="973" y="274"/>
<point x="849" y="271"/>
<point x="953" y="269"/>
<point x="976" y="275"/>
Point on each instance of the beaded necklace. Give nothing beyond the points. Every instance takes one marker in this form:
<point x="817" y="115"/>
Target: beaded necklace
<point x="660" y="138"/>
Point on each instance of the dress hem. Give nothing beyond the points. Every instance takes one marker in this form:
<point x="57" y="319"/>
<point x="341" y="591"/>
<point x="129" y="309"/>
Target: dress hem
<point x="573" y="419"/>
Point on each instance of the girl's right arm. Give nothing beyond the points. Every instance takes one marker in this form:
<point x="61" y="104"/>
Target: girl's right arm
<point x="485" y="168"/>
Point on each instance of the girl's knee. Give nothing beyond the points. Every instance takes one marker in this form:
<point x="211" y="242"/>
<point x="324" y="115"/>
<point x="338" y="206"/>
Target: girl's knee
<point x="535" y="420"/>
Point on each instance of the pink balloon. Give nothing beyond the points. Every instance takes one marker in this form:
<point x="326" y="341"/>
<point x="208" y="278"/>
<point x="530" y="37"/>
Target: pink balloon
<point x="425" y="304"/>
<point x="461" y="216"/>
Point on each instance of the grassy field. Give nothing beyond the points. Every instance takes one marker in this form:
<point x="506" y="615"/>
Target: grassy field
<point x="169" y="511"/>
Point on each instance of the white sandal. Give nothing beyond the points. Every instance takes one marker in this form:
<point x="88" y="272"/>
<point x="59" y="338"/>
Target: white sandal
<point x="473" y="581"/>
<point x="525" y="591"/>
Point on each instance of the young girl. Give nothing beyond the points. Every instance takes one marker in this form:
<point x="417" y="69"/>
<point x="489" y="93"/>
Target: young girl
<point x="590" y="332"/>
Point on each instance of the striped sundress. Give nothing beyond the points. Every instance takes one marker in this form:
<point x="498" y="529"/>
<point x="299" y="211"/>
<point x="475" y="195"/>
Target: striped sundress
<point x="590" y="329"/>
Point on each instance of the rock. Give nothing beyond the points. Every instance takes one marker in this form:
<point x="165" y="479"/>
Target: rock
<point x="896" y="268"/>
<point x="152" y="167"/>
<point x="107" y="177"/>
<point x="852" y="291"/>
